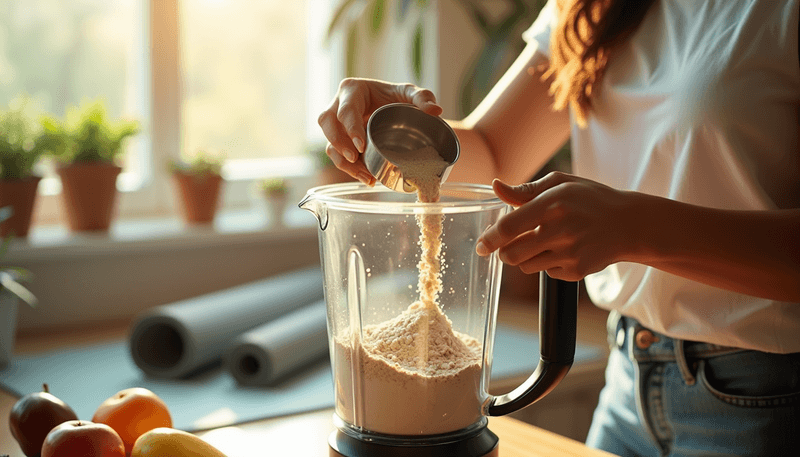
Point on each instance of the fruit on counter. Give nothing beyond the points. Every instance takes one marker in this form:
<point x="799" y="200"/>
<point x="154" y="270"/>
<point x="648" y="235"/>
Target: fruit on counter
<point x="166" y="441"/>
<point x="76" y="437"/>
<point x="34" y="415"/>
<point x="132" y="412"/>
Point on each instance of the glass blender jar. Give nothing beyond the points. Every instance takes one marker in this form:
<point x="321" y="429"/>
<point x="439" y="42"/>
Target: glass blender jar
<point x="412" y="358"/>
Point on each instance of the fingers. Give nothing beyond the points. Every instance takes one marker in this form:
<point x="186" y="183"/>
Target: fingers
<point x="525" y="192"/>
<point x="351" y="118"/>
<point x="537" y="202"/>
<point x="357" y="170"/>
<point x="421" y="98"/>
<point x="529" y="245"/>
<point x="336" y="133"/>
<point x="344" y="121"/>
<point x="514" y="195"/>
<point x="532" y="256"/>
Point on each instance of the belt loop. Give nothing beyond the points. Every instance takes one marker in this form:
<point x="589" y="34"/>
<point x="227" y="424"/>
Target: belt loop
<point x="612" y="327"/>
<point x="683" y="365"/>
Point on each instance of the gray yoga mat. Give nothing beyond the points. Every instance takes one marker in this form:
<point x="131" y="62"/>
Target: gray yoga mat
<point x="280" y="347"/>
<point x="85" y="376"/>
<point x="179" y="339"/>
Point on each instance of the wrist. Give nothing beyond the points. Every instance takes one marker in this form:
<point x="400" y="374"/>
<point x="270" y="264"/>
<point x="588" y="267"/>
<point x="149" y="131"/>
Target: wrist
<point x="643" y="224"/>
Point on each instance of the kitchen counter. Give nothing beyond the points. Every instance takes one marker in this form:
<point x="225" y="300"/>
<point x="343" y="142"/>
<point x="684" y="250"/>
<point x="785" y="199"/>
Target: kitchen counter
<point x="306" y="434"/>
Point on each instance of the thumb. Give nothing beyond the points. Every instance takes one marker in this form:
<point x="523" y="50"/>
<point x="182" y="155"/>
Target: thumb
<point x="514" y="195"/>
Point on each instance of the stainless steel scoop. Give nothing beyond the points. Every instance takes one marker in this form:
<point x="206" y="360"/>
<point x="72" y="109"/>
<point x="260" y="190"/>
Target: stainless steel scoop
<point x="401" y="127"/>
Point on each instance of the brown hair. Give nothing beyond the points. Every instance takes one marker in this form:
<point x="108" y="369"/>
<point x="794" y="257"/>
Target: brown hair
<point x="580" y="46"/>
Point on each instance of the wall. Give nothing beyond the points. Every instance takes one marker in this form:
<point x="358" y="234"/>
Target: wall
<point x="96" y="282"/>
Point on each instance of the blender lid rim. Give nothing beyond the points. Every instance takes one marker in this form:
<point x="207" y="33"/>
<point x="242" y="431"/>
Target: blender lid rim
<point x="332" y="195"/>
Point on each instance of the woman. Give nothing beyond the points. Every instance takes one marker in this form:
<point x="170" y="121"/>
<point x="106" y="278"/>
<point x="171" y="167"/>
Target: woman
<point x="683" y="215"/>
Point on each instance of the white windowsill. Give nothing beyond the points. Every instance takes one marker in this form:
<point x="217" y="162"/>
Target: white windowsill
<point x="54" y="242"/>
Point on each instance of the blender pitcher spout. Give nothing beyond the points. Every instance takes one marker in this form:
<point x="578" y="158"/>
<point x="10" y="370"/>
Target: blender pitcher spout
<point x="317" y="208"/>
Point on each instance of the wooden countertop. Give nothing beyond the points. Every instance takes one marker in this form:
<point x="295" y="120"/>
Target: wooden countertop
<point x="306" y="434"/>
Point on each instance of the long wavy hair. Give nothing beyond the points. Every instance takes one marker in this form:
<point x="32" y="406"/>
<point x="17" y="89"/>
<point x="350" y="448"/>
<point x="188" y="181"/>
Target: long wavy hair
<point x="581" y="45"/>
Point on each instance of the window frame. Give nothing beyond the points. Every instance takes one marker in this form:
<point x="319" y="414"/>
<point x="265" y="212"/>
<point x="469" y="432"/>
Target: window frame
<point x="151" y="194"/>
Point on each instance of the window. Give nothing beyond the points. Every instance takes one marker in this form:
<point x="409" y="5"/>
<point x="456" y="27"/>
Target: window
<point x="220" y="75"/>
<point x="61" y="53"/>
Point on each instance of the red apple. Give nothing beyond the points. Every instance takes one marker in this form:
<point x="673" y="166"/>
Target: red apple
<point x="84" y="438"/>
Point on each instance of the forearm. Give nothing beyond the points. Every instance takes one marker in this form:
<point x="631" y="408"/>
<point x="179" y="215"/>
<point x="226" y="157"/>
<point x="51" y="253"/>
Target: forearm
<point x="751" y="252"/>
<point x="476" y="163"/>
<point x="513" y="132"/>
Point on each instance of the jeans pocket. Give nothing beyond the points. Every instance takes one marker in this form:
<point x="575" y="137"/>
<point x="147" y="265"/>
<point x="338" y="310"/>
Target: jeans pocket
<point x="758" y="387"/>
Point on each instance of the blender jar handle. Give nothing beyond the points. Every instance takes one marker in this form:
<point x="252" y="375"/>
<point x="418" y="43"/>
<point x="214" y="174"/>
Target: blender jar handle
<point x="558" y="312"/>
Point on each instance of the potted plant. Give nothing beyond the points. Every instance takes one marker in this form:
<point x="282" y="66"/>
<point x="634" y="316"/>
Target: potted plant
<point x="276" y="192"/>
<point x="11" y="292"/>
<point x="88" y="145"/>
<point x="198" y="181"/>
<point x="21" y="145"/>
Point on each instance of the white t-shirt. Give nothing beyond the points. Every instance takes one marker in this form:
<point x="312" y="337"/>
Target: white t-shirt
<point x="700" y="106"/>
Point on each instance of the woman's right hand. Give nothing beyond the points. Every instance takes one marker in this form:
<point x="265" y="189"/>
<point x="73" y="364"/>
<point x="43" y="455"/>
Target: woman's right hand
<point x="344" y="121"/>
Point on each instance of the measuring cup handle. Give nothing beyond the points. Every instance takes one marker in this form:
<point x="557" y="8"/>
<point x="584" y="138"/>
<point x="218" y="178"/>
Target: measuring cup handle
<point x="558" y="315"/>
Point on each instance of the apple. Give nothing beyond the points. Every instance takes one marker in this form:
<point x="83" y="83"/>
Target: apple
<point x="83" y="438"/>
<point x="33" y="416"/>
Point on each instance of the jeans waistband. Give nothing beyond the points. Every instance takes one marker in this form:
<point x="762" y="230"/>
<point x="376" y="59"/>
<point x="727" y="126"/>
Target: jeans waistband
<point x="644" y="345"/>
<point x="649" y="344"/>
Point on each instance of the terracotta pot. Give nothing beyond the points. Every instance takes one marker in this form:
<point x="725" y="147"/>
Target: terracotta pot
<point x="332" y="175"/>
<point x="89" y="194"/>
<point x="20" y="195"/>
<point x="199" y="195"/>
<point x="277" y="206"/>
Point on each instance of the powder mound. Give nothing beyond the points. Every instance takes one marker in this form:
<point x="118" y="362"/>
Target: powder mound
<point x="421" y="340"/>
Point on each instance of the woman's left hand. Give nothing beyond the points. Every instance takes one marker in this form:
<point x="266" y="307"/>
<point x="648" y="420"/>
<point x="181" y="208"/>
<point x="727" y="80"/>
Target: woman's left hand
<point x="565" y="225"/>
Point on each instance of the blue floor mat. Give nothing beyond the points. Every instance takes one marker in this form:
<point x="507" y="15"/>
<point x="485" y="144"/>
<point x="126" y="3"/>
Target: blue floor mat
<point x="83" y="377"/>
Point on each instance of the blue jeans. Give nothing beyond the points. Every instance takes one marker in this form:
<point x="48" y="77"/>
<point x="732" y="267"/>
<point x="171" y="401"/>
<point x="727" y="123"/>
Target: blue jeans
<point x="667" y="397"/>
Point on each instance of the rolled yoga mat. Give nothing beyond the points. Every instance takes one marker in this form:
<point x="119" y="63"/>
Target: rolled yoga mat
<point x="179" y="339"/>
<point x="266" y="354"/>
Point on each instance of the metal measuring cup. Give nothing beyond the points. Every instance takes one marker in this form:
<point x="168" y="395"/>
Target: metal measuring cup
<point x="402" y="127"/>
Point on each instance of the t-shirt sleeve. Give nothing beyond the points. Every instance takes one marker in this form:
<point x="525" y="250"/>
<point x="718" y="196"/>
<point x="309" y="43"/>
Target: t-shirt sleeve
<point x="542" y="27"/>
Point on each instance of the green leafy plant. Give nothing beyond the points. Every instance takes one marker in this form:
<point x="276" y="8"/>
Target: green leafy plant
<point x="87" y="134"/>
<point x="501" y="35"/>
<point x="374" y="13"/>
<point x="22" y="140"/>
<point x="202" y="163"/>
<point x="274" y="186"/>
<point x="10" y="277"/>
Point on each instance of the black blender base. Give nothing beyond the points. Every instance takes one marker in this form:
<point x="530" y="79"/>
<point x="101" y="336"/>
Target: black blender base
<point x="484" y="444"/>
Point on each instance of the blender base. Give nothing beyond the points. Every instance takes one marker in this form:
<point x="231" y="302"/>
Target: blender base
<point x="483" y="444"/>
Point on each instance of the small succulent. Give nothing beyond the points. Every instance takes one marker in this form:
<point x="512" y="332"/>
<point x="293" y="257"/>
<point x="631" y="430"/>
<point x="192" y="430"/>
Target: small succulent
<point x="321" y="159"/>
<point x="274" y="186"/>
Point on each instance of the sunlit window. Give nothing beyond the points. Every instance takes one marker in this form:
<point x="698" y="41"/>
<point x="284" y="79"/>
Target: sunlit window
<point x="253" y="74"/>
<point x="244" y="79"/>
<point x="61" y="53"/>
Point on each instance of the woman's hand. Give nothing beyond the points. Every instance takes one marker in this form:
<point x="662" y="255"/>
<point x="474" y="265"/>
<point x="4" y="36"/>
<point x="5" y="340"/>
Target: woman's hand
<point x="565" y="225"/>
<point x="344" y="121"/>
